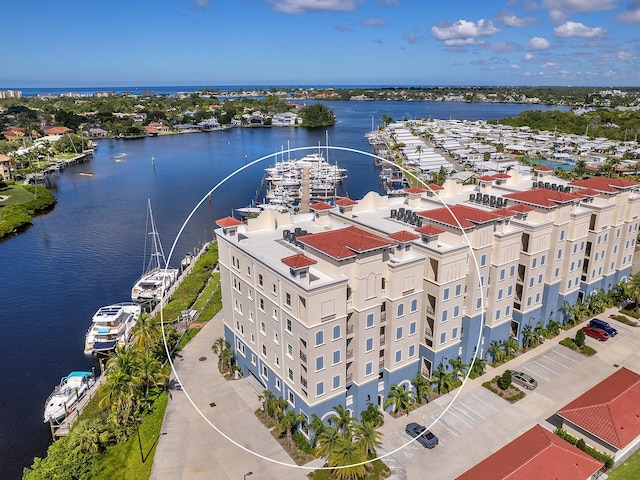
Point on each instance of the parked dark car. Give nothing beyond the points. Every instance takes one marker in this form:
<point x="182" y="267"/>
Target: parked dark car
<point x="524" y="380"/>
<point x="596" y="322"/>
<point x="596" y="333"/>
<point x="426" y="438"/>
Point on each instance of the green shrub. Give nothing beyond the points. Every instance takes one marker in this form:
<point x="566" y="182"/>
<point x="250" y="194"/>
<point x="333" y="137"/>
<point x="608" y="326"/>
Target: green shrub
<point x="301" y="442"/>
<point x="580" y="338"/>
<point x="569" y="342"/>
<point x="581" y="444"/>
<point x="625" y="320"/>
<point x="631" y="312"/>
<point x="587" y="351"/>
<point x="504" y="381"/>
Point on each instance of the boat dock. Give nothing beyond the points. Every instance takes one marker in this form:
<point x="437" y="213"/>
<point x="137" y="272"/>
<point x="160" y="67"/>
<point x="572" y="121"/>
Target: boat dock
<point x="63" y="428"/>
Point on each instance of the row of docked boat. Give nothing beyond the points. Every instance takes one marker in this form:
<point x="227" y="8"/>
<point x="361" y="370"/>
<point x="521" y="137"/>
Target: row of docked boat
<point x="113" y="325"/>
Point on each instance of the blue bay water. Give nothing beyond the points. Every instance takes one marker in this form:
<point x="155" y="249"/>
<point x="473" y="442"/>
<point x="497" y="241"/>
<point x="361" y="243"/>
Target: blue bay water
<point x="89" y="250"/>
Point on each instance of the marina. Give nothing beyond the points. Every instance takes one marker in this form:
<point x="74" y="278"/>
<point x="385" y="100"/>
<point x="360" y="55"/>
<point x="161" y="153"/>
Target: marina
<point x="111" y="326"/>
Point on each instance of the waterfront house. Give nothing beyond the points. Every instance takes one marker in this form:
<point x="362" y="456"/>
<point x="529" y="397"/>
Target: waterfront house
<point x="5" y="170"/>
<point x="286" y="119"/>
<point x="57" y="131"/>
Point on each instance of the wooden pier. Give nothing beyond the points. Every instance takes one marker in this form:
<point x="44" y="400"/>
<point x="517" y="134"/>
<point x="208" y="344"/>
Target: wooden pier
<point x="62" y="428"/>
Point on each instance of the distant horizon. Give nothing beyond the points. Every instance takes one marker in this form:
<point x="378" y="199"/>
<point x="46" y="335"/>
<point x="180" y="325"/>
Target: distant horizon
<point x="528" y="43"/>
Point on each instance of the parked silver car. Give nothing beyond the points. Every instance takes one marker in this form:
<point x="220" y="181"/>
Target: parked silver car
<point x="524" y="380"/>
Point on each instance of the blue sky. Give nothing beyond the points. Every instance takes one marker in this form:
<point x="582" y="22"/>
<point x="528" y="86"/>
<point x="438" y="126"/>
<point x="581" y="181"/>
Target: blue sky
<point x="320" y="42"/>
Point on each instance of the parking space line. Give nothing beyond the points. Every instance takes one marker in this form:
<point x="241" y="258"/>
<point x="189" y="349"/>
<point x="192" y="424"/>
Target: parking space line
<point x="446" y="425"/>
<point x="568" y="358"/>
<point x="486" y="403"/>
<point x="467" y="406"/>
<point x="556" y="362"/>
<point x="537" y="374"/>
<point x="545" y="367"/>
<point x="453" y="410"/>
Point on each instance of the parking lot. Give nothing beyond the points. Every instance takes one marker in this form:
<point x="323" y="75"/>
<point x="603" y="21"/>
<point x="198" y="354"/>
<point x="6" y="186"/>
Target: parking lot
<point x="479" y="422"/>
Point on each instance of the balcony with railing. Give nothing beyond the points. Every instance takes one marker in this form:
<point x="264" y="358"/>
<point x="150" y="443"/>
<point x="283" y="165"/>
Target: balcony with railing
<point x="381" y="363"/>
<point x="382" y="340"/>
<point x="303" y="357"/>
<point x="349" y="354"/>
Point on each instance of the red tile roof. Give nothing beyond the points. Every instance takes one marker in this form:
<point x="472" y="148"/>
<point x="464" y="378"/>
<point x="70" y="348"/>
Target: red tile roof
<point x="345" y="202"/>
<point x="298" y="261"/>
<point x="463" y="216"/>
<point x="543" y="168"/>
<point x="487" y="178"/>
<point x="320" y="206"/>
<point x="415" y="190"/>
<point x="404" y="236"/>
<point x="604" y="184"/>
<point x="610" y="410"/>
<point x="227" y="222"/>
<point x="543" y="197"/>
<point x="586" y="192"/>
<point x="435" y="187"/>
<point x="501" y="175"/>
<point x="429" y="230"/>
<point x="505" y="212"/>
<point x="57" y="130"/>
<point x="537" y="453"/>
<point x="521" y="208"/>
<point x="345" y="242"/>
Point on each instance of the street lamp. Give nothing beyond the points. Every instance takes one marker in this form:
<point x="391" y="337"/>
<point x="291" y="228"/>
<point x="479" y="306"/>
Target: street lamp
<point x="248" y="474"/>
<point x="138" y="420"/>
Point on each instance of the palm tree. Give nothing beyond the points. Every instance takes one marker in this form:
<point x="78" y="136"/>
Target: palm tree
<point x="399" y="398"/>
<point x="633" y="289"/>
<point x="422" y="386"/>
<point x="369" y="437"/>
<point x="458" y="368"/>
<point x="443" y="378"/>
<point x="530" y="339"/>
<point x="279" y="405"/>
<point x="342" y="419"/>
<point x="89" y="435"/>
<point x="317" y="426"/>
<point x="477" y="366"/>
<point x="218" y="347"/>
<point x="510" y="345"/>
<point x="265" y="397"/>
<point x="372" y="414"/>
<point x="553" y="327"/>
<point x="570" y="313"/>
<point x="327" y="440"/>
<point x="348" y="454"/>
<point x="146" y="333"/>
<point x="580" y="166"/>
<point x="496" y="351"/>
<point x="289" y="422"/>
<point x="541" y="331"/>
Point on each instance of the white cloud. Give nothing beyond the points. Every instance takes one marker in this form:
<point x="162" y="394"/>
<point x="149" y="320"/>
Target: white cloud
<point x="549" y="65"/>
<point x="202" y="4"/>
<point x="577" y="29"/>
<point x="515" y="67"/>
<point x="538" y="43"/>
<point x="461" y="42"/>
<point x="374" y="22"/>
<point x="503" y="47"/>
<point x="512" y="20"/>
<point x="389" y="3"/>
<point x="527" y="57"/>
<point x="464" y="30"/>
<point x="631" y="14"/>
<point x="580" y="5"/>
<point x="303" y="6"/>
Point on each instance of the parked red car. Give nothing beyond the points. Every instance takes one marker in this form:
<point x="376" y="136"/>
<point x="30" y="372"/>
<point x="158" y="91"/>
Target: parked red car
<point x="597" y="333"/>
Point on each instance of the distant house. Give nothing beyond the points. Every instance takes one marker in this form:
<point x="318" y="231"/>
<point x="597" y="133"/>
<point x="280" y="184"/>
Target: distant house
<point x="5" y="171"/>
<point x="537" y="453"/>
<point x="97" y="132"/>
<point x="607" y="417"/>
<point x="156" y="128"/>
<point x="286" y="119"/>
<point x="59" y="131"/>
<point x="14" y="133"/>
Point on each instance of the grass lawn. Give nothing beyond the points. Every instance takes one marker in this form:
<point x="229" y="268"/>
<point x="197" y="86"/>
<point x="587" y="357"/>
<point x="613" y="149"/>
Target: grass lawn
<point x="628" y="470"/>
<point x="124" y="460"/>
<point x="17" y="194"/>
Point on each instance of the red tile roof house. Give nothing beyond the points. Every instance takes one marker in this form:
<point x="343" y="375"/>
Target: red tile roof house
<point x="536" y="454"/>
<point x="607" y="416"/>
<point x="57" y="131"/>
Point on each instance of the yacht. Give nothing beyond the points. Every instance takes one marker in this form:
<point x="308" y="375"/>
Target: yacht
<point x="111" y="326"/>
<point x="64" y="397"/>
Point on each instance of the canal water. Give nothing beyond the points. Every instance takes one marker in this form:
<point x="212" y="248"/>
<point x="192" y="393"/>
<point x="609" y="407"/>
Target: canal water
<point x="89" y="250"/>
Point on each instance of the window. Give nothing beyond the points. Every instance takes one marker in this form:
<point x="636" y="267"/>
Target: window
<point x="454" y="333"/>
<point x="369" y="344"/>
<point x="253" y="339"/>
<point x="287" y="299"/>
<point x="543" y="258"/>
<point x="398" y="356"/>
<point x="498" y="314"/>
<point x="531" y="280"/>
<point x="512" y="271"/>
<point x="289" y="350"/>
<point x="336" y="332"/>
<point x="479" y="303"/>
<point x="412" y="328"/>
<point x="446" y="294"/>
<point x="458" y="290"/>
<point x="557" y="273"/>
<point x="290" y="374"/>
<point x="502" y="273"/>
<point x="370" y="320"/>
<point x="572" y="266"/>
<point x="483" y="260"/>
<point x="561" y="235"/>
<point x="277" y="360"/>
<point x="569" y="284"/>
<point x="264" y="350"/>
<point x="414" y="305"/>
<point x="261" y="304"/>
<point x="253" y="359"/>
<point x="399" y="333"/>
<point x="444" y="316"/>
<point x="575" y="248"/>
<point x="278" y="384"/>
<point x="292" y="398"/>
<point x="263" y="327"/>
<point x="534" y="263"/>
<point x="528" y="301"/>
<point x="539" y="279"/>
<point x="509" y="290"/>
<point x="319" y="338"/>
<point x="288" y="327"/>
<point x="400" y="310"/>
<point x="500" y="294"/>
<point x="443" y="337"/>
<point x="456" y="311"/>
<point x="336" y="382"/>
<point x="319" y="363"/>
<point x="319" y="389"/>
<point x="507" y="311"/>
<point x="336" y="357"/>
<point x="273" y="288"/>
<point x="368" y="369"/>
<point x="260" y="280"/>
<point x="559" y="254"/>
<point x="537" y="298"/>
<point x="265" y="372"/>
<point x="412" y="351"/>
<point x="276" y="338"/>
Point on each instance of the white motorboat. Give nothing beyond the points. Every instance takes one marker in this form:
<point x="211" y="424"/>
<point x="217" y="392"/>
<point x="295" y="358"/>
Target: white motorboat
<point x="157" y="278"/>
<point x="111" y="326"/>
<point x="65" y="396"/>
